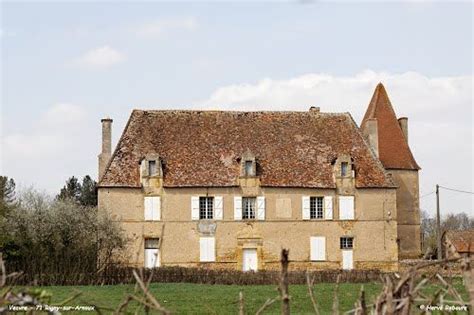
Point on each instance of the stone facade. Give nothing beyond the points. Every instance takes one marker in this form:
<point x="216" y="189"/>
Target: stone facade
<point x="283" y="227"/>
<point x="314" y="182"/>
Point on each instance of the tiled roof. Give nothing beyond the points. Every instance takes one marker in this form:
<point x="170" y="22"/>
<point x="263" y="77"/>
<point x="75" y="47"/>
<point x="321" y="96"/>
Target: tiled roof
<point x="463" y="241"/>
<point x="394" y="152"/>
<point x="202" y="148"/>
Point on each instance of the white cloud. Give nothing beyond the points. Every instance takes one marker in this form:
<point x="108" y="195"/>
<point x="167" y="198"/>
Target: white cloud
<point x="101" y="57"/>
<point x="62" y="114"/>
<point x="158" y="28"/>
<point x="54" y="134"/>
<point x="439" y="111"/>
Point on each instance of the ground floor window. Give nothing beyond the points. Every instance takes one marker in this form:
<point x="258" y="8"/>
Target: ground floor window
<point x="152" y="252"/>
<point x="207" y="249"/>
<point x="347" y="242"/>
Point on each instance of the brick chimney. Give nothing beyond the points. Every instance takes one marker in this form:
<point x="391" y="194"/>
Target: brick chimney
<point x="106" y="152"/>
<point x="403" y="122"/>
<point x="371" y="133"/>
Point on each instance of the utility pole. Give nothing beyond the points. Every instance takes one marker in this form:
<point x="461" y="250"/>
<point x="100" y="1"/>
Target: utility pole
<point x="438" y="225"/>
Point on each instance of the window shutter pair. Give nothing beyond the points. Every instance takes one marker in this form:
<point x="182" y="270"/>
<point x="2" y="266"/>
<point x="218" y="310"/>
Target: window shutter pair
<point x="152" y="208"/>
<point x="318" y="248"/>
<point x="346" y="207"/>
<point x="207" y="249"/>
<point x="218" y="207"/>
<point x="260" y="215"/>
<point x="305" y="207"/>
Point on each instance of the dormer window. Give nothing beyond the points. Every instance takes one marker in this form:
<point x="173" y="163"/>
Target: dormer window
<point x="249" y="168"/>
<point x="248" y="165"/>
<point x="152" y="168"/>
<point x="344" y="169"/>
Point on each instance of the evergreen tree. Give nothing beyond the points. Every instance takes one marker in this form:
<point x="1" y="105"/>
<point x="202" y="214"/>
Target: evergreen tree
<point x="7" y="194"/>
<point x="84" y="194"/>
<point x="70" y="191"/>
<point x="88" y="192"/>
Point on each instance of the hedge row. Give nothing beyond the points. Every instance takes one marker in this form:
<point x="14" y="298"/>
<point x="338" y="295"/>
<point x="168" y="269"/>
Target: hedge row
<point x="124" y="275"/>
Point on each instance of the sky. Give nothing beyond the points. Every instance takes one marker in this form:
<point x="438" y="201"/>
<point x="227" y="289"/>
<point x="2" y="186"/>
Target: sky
<point x="66" y="65"/>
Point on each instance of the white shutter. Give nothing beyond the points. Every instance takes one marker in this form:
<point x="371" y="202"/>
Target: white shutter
<point x="194" y="208"/>
<point x="328" y="207"/>
<point x="346" y="207"/>
<point x="305" y="208"/>
<point x="260" y="208"/>
<point x="237" y="208"/>
<point x="207" y="248"/>
<point x="318" y="248"/>
<point x="218" y="207"/>
<point x="148" y="206"/>
<point x="156" y="205"/>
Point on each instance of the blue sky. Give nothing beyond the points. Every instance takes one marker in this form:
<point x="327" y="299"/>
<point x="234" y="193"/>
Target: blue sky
<point x="64" y="66"/>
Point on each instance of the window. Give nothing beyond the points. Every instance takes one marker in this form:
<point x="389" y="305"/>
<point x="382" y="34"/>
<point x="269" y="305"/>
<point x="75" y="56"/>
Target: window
<point x="207" y="249"/>
<point x="344" y="168"/>
<point x="318" y="248"/>
<point x="346" y="207"/>
<point x="248" y="207"/>
<point x="206" y="208"/>
<point x="316" y="207"/>
<point x="249" y="168"/>
<point x="152" y="243"/>
<point x="152" y="207"/>
<point x="347" y="242"/>
<point x="152" y="169"/>
<point x="152" y="252"/>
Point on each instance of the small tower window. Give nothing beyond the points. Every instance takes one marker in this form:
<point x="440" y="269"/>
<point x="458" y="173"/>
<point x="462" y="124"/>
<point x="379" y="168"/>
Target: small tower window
<point x="152" y="169"/>
<point x="344" y="168"/>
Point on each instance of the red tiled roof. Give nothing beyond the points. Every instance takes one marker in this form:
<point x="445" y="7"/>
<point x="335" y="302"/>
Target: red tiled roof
<point x="202" y="148"/>
<point x="463" y="241"/>
<point x="394" y="152"/>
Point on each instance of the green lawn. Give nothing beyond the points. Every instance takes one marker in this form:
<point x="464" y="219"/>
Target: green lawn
<point x="185" y="298"/>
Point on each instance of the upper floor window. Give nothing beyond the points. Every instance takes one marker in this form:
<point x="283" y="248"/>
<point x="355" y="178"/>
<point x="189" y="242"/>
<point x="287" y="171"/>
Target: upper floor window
<point x="206" y="208"/>
<point x="249" y="168"/>
<point x="347" y="242"/>
<point x="316" y="209"/>
<point x="249" y="205"/>
<point x="344" y="168"/>
<point x="152" y="168"/>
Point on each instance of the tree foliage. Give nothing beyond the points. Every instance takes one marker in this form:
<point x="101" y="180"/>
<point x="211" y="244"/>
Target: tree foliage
<point x="7" y="194"/>
<point x="84" y="194"/>
<point x="460" y="221"/>
<point x="58" y="236"/>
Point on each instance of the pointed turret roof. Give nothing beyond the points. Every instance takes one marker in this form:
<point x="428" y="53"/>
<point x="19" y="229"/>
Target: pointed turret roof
<point x="394" y="152"/>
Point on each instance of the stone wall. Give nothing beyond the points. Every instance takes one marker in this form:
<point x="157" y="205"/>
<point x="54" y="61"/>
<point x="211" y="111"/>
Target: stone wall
<point x="374" y="228"/>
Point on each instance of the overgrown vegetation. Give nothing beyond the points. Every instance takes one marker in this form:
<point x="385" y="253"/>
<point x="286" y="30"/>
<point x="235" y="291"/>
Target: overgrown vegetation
<point x="61" y="236"/>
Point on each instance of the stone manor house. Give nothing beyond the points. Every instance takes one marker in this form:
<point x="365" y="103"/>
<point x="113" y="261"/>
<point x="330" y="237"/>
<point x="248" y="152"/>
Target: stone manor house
<point x="228" y="189"/>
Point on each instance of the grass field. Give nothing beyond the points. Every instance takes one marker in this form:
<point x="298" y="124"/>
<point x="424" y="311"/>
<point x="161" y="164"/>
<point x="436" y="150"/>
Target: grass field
<point x="186" y="298"/>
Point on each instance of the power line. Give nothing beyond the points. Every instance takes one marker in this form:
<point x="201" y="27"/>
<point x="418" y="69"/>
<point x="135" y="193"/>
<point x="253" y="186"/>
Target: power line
<point x="457" y="190"/>
<point x="426" y="195"/>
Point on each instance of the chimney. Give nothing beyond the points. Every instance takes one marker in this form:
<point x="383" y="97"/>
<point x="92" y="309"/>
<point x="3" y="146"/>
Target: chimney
<point x="371" y="133"/>
<point x="403" y="122"/>
<point x="106" y="152"/>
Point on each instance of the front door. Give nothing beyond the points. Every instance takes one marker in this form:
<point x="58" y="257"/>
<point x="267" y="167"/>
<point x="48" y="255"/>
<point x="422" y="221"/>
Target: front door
<point x="152" y="257"/>
<point x="250" y="261"/>
<point x="347" y="261"/>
